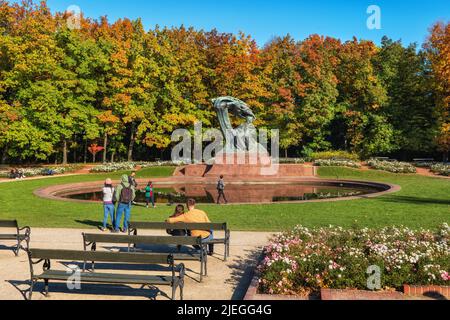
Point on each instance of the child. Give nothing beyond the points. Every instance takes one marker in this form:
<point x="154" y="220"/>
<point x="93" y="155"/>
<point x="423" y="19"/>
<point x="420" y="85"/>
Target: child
<point x="150" y="195"/>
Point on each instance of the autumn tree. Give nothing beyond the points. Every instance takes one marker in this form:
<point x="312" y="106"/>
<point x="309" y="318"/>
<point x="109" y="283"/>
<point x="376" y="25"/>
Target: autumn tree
<point x="362" y="100"/>
<point x="438" y="49"/>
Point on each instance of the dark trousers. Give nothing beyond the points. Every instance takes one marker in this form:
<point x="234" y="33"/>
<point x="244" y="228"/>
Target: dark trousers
<point x="222" y="195"/>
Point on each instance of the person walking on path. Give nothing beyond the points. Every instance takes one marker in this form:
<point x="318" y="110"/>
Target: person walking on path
<point x="132" y="181"/>
<point x="221" y="190"/>
<point x="196" y="216"/>
<point x="108" y="205"/>
<point x="125" y="194"/>
<point x="150" y="194"/>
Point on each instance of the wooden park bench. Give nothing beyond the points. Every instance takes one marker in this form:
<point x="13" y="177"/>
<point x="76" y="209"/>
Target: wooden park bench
<point x="420" y="160"/>
<point x="135" y="226"/>
<point x="91" y="242"/>
<point x="37" y="256"/>
<point x="18" y="236"/>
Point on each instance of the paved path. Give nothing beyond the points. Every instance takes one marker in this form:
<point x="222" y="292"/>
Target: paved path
<point x="429" y="173"/>
<point x="226" y="280"/>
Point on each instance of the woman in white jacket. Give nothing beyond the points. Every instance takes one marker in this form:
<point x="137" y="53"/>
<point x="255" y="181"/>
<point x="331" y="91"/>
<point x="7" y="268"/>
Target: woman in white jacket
<point x="108" y="204"/>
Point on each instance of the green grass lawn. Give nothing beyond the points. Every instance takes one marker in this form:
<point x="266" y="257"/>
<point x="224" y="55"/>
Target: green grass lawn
<point x="422" y="202"/>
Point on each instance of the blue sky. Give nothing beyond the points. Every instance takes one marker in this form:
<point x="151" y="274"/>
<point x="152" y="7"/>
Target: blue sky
<point x="408" y="20"/>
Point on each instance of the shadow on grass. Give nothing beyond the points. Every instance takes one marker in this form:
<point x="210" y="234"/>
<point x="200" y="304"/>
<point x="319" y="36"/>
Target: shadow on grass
<point x="415" y="200"/>
<point x="89" y="223"/>
<point x="151" y="293"/>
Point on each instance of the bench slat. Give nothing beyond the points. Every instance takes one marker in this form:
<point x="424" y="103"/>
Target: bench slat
<point x="175" y="226"/>
<point x="107" y="278"/>
<point x="149" y="240"/>
<point x="150" y="258"/>
<point x="8" y="224"/>
<point x="12" y="236"/>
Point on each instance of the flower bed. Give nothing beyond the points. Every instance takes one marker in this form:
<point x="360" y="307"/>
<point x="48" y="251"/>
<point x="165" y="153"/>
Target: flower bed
<point x="42" y="171"/>
<point x="305" y="261"/>
<point x="124" y="166"/>
<point x="394" y="167"/>
<point x="337" y="163"/>
<point x="441" y="169"/>
<point x="114" y="167"/>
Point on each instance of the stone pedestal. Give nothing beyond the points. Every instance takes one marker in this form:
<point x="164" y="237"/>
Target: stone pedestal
<point x="247" y="171"/>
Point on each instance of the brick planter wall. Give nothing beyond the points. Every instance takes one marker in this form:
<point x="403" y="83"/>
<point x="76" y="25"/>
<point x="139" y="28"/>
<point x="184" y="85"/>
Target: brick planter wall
<point x="420" y="291"/>
<point x="339" y="295"/>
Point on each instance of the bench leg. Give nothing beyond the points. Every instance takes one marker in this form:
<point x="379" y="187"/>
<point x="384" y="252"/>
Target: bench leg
<point x="30" y="294"/>
<point x="46" y="288"/>
<point x="17" y="249"/>
<point x="181" y="292"/>
<point x="206" y="264"/>
<point x="174" y="291"/>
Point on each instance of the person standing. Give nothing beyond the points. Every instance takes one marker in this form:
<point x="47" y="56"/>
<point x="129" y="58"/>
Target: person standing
<point x="196" y="216"/>
<point x="125" y="194"/>
<point x="221" y="190"/>
<point x="132" y="180"/>
<point x="108" y="205"/>
<point x="150" y="195"/>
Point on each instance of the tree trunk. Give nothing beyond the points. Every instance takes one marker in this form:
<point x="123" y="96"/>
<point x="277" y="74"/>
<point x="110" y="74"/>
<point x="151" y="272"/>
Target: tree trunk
<point x="85" y="151"/>
<point x="105" y="145"/>
<point x="64" y="161"/>
<point x="113" y="154"/>
<point x="132" y="141"/>
<point x="445" y="157"/>
<point x="4" y="155"/>
<point x="286" y="153"/>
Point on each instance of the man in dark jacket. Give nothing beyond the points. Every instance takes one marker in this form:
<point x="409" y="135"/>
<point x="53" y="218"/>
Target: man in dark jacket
<point x="125" y="194"/>
<point x="221" y="190"/>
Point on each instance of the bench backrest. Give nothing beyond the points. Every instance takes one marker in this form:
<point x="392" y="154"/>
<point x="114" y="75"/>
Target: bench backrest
<point x="142" y="240"/>
<point x="177" y="226"/>
<point x="9" y="224"/>
<point x="69" y="255"/>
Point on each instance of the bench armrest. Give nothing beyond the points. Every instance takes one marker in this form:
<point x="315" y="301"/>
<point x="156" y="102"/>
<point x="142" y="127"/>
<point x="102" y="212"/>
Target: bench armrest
<point x="27" y="230"/>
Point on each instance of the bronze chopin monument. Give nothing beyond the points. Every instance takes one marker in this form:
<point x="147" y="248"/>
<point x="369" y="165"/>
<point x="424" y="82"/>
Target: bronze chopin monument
<point x="244" y="138"/>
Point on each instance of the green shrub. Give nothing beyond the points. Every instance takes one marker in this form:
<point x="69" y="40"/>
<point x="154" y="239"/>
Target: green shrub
<point x="335" y="155"/>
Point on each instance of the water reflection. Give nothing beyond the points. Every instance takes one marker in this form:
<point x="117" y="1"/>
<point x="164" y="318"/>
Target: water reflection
<point x="247" y="193"/>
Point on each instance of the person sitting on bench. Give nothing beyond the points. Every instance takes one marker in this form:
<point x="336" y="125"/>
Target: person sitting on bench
<point x="195" y="216"/>
<point x="179" y="211"/>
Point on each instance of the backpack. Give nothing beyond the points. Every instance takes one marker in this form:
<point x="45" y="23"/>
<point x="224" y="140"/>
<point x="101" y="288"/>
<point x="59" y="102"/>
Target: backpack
<point x="220" y="185"/>
<point x="126" y="195"/>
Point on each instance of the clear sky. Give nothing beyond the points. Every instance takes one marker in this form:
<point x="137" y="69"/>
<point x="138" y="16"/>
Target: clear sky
<point x="408" y="20"/>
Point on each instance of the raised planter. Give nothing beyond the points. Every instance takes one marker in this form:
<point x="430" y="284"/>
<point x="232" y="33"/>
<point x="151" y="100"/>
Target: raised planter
<point x="427" y="291"/>
<point x="331" y="295"/>
<point x="253" y="295"/>
<point x="409" y="293"/>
